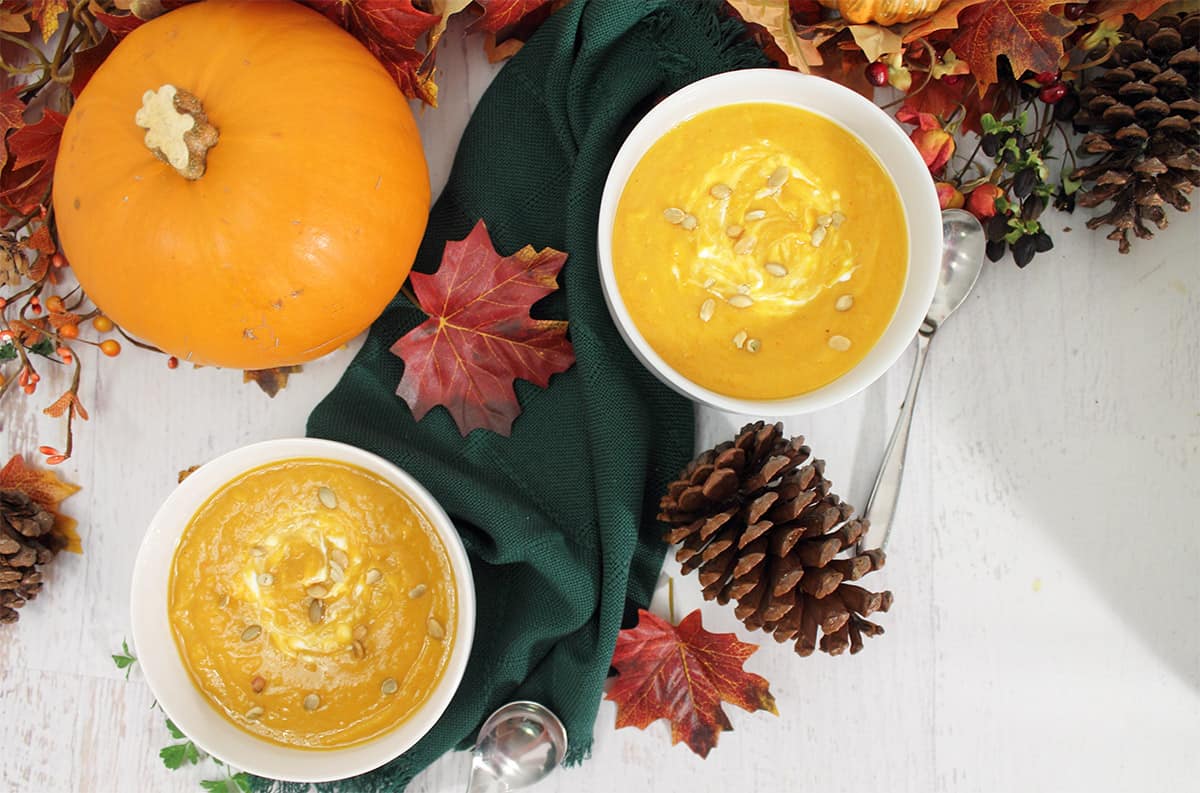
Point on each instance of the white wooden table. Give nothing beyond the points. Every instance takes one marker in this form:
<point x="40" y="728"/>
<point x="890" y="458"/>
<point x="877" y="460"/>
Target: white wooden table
<point x="1045" y="635"/>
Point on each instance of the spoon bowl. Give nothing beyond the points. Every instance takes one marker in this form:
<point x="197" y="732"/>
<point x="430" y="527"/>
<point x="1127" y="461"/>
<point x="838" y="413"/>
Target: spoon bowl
<point x="517" y="746"/>
<point x="963" y="244"/>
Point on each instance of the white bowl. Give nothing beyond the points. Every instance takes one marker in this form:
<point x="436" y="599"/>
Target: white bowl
<point x="164" y="669"/>
<point x="879" y="133"/>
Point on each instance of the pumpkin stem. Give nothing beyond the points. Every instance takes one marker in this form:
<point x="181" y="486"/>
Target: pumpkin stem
<point x="177" y="129"/>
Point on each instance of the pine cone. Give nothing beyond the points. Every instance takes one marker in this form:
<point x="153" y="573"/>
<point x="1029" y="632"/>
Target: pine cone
<point x="27" y="540"/>
<point x="1142" y="119"/>
<point x="759" y="523"/>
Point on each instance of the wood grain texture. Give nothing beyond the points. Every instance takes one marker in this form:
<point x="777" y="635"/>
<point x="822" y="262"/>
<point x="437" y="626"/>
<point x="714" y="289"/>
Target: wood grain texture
<point x="1044" y="633"/>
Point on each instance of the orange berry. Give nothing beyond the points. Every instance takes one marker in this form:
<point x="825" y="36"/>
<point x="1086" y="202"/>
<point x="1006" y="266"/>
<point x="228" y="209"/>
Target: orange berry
<point x="3" y="303"/>
<point x="35" y="378"/>
<point x="49" y="451"/>
<point x="58" y="260"/>
<point x="55" y="304"/>
<point x="110" y="347"/>
<point x="69" y="331"/>
<point x="102" y="324"/>
<point x="65" y="354"/>
<point x="29" y="388"/>
<point x="172" y="362"/>
<point x="56" y="459"/>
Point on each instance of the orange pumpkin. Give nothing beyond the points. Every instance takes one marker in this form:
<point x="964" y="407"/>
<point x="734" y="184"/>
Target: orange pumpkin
<point x="883" y="12"/>
<point x="241" y="184"/>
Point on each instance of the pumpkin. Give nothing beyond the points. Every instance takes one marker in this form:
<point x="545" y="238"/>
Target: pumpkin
<point x="241" y="184"/>
<point x="883" y="12"/>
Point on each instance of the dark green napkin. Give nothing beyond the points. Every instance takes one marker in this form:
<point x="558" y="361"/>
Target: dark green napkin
<point x="559" y="518"/>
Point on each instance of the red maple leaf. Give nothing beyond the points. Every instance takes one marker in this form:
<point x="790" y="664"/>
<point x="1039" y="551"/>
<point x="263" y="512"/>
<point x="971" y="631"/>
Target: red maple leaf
<point x="683" y="673"/>
<point x="12" y="111"/>
<point x="390" y="29"/>
<point x="500" y="14"/>
<point x="32" y="149"/>
<point x="479" y="336"/>
<point x="88" y="61"/>
<point x="1023" y="30"/>
<point x="943" y="100"/>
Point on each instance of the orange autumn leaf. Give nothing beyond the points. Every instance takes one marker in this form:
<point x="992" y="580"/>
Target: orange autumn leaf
<point x="1025" y="31"/>
<point x="68" y="401"/>
<point x="60" y="318"/>
<point x="683" y="673"/>
<point x="945" y="18"/>
<point x="775" y="18"/>
<point x="46" y="13"/>
<point x="48" y="491"/>
<point x="271" y="381"/>
<point x="1115" y="10"/>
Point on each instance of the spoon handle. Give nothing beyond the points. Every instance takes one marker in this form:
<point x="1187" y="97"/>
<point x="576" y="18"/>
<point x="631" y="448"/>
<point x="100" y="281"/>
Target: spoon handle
<point x="881" y="506"/>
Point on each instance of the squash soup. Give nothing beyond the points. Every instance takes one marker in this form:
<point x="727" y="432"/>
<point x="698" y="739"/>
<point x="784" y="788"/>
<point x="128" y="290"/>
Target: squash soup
<point x="312" y="603"/>
<point x="760" y="249"/>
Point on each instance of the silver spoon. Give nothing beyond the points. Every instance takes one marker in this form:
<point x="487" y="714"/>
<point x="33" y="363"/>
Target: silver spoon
<point x="962" y="260"/>
<point x="517" y="746"/>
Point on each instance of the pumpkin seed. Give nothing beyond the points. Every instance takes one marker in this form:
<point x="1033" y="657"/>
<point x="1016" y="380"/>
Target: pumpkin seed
<point x="435" y="629"/>
<point x="339" y="556"/>
<point x="744" y="246"/>
<point x="389" y="686"/>
<point x="755" y="214"/>
<point x="708" y="282"/>
<point x="753" y="345"/>
<point x="778" y="177"/>
<point x="255" y="713"/>
<point x="838" y="218"/>
<point x="767" y="192"/>
<point x="734" y="231"/>
<point x="265" y="579"/>
<point x="316" y="611"/>
<point x="824" y="220"/>
<point x="720" y="191"/>
<point x="741" y="301"/>
<point x="258" y="684"/>
<point x="317" y="591"/>
<point x="839" y="343"/>
<point x="417" y="591"/>
<point x="337" y="574"/>
<point x="312" y="702"/>
<point x="689" y="222"/>
<point x="358" y="649"/>
<point x="251" y="633"/>
<point x="776" y="269"/>
<point x="743" y="289"/>
<point x="327" y="497"/>
<point x="844" y="303"/>
<point x="373" y="576"/>
<point x="706" y="313"/>
<point x="739" y="340"/>
<point x="818" y="236"/>
<point x="674" y="215"/>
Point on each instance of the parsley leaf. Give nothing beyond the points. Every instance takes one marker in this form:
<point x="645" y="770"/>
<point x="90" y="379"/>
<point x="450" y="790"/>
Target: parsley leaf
<point x="238" y="783"/>
<point x="176" y="733"/>
<point x="8" y="352"/>
<point x="177" y="754"/>
<point x="125" y="659"/>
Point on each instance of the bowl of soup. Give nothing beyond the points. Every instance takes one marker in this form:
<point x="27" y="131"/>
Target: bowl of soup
<point x="769" y="242"/>
<point x="302" y="609"/>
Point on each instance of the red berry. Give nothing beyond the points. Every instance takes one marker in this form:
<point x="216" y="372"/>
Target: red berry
<point x="1046" y="78"/>
<point x="172" y="362"/>
<point x="877" y="74"/>
<point x="952" y="80"/>
<point x="1053" y="93"/>
<point x="1074" y="11"/>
